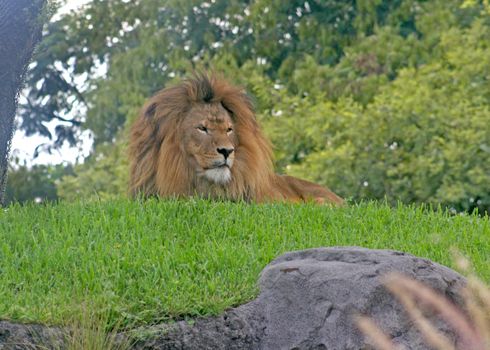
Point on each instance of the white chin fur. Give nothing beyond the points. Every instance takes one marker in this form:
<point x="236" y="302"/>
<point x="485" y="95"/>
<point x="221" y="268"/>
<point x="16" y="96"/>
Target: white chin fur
<point x="220" y="176"/>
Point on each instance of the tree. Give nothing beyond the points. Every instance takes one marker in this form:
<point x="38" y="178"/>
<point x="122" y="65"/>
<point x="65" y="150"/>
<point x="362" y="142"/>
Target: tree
<point x="20" y="31"/>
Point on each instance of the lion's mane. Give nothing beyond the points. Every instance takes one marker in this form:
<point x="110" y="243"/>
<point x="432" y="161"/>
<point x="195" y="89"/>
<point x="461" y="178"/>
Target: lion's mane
<point x="158" y="163"/>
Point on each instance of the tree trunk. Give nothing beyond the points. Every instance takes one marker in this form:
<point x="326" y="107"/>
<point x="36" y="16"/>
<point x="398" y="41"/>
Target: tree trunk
<point x="20" y="31"/>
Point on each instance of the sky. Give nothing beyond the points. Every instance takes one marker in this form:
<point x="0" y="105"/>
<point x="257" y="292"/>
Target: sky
<point x="23" y="147"/>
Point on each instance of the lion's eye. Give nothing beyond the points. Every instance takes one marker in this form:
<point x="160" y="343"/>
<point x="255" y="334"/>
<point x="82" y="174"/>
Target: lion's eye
<point x="229" y="130"/>
<point x="203" y="129"/>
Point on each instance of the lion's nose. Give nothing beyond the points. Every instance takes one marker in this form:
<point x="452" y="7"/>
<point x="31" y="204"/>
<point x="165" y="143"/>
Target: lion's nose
<point x="225" y="151"/>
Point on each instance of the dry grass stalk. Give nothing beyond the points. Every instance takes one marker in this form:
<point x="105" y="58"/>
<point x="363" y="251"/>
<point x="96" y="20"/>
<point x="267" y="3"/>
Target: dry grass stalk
<point x="473" y="333"/>
<point x="88" y="331"/>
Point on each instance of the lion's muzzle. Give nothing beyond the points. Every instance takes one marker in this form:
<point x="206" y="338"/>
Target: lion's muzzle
<point x="220" y="175"/>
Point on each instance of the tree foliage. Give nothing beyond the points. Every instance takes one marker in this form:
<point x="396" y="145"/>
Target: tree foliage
<point x="374" y="98"/>
<point x="37" y="183"/>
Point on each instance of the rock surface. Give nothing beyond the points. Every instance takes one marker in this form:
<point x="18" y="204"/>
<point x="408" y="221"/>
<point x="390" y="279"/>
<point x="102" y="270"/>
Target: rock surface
<point x="24" y="336"/>
<point x="307" y="300"/>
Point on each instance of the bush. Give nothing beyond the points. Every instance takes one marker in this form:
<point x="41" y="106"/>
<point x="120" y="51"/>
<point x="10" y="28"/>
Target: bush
<point x="424" y="138"/>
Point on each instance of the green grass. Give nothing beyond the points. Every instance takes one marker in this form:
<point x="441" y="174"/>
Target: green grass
<point x="144" y="262"/>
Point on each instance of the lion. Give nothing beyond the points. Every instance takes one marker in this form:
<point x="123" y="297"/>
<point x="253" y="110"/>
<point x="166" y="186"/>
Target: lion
<point x="201" y="138"/>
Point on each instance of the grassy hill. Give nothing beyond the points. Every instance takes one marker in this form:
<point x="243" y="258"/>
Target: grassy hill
<point x="144" y="262"/>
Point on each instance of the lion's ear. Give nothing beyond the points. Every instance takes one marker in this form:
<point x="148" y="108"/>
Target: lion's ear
<point x="150" y="111"/>
<point x="228" y="109"/>
<point x="239" y="105"/>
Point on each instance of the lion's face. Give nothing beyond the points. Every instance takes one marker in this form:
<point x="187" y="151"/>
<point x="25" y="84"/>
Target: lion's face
<point x="210" y="142"/>
<point x="200" y="137"/>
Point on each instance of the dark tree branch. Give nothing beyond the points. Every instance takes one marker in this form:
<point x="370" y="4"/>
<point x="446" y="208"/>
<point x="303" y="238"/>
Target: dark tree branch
<point x="50" y="116"/>
<point x="71" y="121"/>
<point x="72" y="88"/>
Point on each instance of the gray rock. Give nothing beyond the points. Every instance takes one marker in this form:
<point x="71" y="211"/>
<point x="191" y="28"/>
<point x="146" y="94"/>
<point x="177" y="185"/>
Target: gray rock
<point x="309" y="297"/>
<point x="307" y="300"/>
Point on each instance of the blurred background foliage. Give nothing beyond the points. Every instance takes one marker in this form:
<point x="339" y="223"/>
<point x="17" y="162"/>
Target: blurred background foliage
<point x="373" y="98"/>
